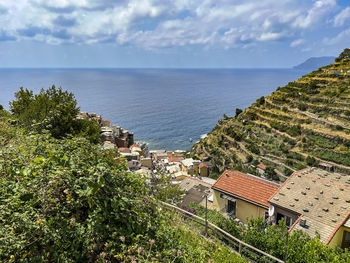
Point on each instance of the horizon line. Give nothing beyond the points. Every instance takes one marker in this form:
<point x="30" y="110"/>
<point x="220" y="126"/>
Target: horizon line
<point x="4" y="68"/>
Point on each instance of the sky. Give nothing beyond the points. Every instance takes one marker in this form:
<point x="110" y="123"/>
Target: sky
<point x="170" y="33"/>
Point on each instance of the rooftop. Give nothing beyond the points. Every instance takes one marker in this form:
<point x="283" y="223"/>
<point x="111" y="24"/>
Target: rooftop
<point x="175" y="159"/>
<point x="321" y="198"/>
<point x="262" y="166"/>
<point x="248" y="187"/>
<point x="187" y="162"/>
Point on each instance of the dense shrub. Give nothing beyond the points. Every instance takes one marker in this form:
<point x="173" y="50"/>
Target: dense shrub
<point x="66" y="199"/>
<point x="54" y="110"/>
<point x="253" y="148"/>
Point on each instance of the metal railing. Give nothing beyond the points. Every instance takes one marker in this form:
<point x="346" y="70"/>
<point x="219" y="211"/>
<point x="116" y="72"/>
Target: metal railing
<point x="245" y="250"/>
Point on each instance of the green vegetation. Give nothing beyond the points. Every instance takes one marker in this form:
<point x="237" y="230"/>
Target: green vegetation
<point x="272" y="239"/>
<point x="66" y="200"/>
<point x="344" y="55"/>
<point x="54" y="110"/>
<point x="303" y="123"/>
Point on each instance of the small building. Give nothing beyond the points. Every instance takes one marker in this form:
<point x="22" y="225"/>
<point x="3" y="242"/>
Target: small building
<point x="146" y="162"/>
<point x="196" y="191"/>
<point x="261" y="168"/>
<point x="243" y="196"/>
<point x="190" y="166"/>
<point x="108" y="145"/>
<point x="124" y="150"/>
<point x="203" y="169"/>
<point x="316" y="201"/>
<point x="134" y="165"/>
<point x="174" y="168"/>
<point x="136" y="148"/>
<point x="175" y="159"/>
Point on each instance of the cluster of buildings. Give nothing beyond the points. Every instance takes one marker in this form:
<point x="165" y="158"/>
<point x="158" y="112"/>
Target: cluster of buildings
<point x="176" y="164"/>
<point x="312" y="200"/>
<point x="115" y="137"/>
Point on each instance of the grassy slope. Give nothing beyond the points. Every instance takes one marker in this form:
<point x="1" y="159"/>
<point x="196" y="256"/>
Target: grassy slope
<point x="301" y="124"/>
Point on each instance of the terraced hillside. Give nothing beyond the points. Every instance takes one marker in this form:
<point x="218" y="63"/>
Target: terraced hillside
<point x="307" y="122"/>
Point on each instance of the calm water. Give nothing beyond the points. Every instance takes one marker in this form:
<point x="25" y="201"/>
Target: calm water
<point x="164" y="107"/>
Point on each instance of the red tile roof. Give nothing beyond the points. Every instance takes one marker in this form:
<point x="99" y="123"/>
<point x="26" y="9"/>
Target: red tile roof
<point x="203" y="165"/>
<point x="175" y="159"/>
<point x="248" y="187"/>
<point x="262" y="166"/>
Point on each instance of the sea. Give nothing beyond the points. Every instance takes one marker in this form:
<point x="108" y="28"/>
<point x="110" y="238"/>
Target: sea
<point x="167" y="108"/>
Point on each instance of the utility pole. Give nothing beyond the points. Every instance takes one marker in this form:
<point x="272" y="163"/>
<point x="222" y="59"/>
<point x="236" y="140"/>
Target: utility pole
<point x="206" y="215"/>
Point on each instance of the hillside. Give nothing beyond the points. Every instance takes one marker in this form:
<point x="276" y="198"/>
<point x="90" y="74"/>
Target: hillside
<point x="304" y="123"/>
<point x="67" y="200"/>
<point x="314" y="63"/>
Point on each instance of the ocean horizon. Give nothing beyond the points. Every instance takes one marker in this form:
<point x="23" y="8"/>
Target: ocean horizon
<point x="164" y="107"/>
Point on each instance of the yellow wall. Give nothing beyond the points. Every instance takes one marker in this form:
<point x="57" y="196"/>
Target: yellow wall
<point x="247" y="210"/>
<point x="204" y="171"/>
<point x="147" y="162"/>
<point x="244" y="209"/>
<point x="218" y="203"/>
<point x="196" y="169"/>
<point x="338" y="237"/>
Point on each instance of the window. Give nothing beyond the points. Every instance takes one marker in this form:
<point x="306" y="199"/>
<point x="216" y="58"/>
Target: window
<point x="346" y="239"/>
<point x="231" y="208"/>
<point x="288" y="220"/>
<point x="266" y="215"/>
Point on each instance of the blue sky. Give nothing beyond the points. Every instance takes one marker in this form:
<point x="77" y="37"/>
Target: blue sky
<point x="170" y="33"/>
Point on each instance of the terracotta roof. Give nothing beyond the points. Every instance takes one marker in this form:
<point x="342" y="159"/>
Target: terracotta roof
<point x="262" y="166"/>
<point x="135" y="146"/>
<point x="175" y="159"/>
<point x="203" y="165"/>
<point x="248" y="187"/>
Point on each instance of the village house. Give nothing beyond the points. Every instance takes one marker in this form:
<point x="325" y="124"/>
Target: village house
<point x="190" y="166"/>
<point x="203" y="169"/>
<point x="261" y="168"/>
<point x="146" y="162"/>
<point x="316" y="201"/>
<point x="242" y="196"/>
<point x="196" y="191"/>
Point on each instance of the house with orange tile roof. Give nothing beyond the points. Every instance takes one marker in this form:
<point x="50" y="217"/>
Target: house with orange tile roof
<point x="243" y="196"/>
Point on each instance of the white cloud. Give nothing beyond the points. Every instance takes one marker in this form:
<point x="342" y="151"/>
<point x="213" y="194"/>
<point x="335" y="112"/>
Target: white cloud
<point x="153" y="24"/>
<point x="315" y="14"/>
<point x="343" y="37"/>
<point x="296" y="42"/>
<point x="342" y="17"/>
<point x="64" y="3"/>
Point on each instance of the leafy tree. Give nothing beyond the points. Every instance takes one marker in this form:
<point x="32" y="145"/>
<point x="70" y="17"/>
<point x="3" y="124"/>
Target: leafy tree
<point x="261" y="100"/>
<point x="343" y="55"/>
<point x="250" y="158"/>
<point x="311" y="161"/>
<point x="238" y="111"/>
<point x="52" y="109"/>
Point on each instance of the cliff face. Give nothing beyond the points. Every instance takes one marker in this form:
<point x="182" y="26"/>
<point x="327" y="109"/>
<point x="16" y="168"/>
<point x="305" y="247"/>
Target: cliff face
<point x="305" y="123"/>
